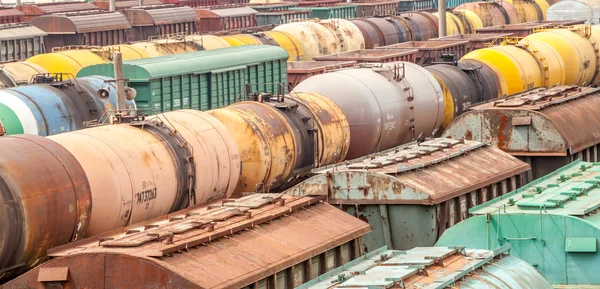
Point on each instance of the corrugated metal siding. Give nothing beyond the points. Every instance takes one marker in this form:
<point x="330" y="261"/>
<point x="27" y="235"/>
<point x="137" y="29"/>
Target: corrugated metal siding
<point x="52" y="8"/>
<point x="10" y="12"/>
<point x="100" y="22"/>
<point x="20" y="31"/>
<point x="232" y="12"/>
<point x="19" y="42"/>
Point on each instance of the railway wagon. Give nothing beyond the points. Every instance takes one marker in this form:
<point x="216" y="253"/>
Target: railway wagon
<point x="83" y="28"/>
<point x="431" y="51"/>
<point x="125" y="4"/>
<point x="151" y="21"/>
<point x="297" y="250"/>
<point x="438" y="268"/>
<point x="212" y="20"/>
<point x="330" y="12"/>
<point x="547" y="128"/>
<point x="588" y="11"/>
<point x="551" y="223"/>
<point x="201" y="80"/>
<point x="11" y="15"/>
<point x="20" y="41"/>
<point x="32" y="11"/>
<point x="374" y="9"/>
<point x="417" y="181"/>
<point x="278" y="17"/>
<point x="298" y="71"/>
<point x="55" y="103"/>
<point x="190" y="3"/>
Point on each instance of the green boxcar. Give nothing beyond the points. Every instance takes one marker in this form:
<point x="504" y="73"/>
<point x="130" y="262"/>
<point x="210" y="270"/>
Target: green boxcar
<point x="278" y="17"/>
<point x="201" y="80"/>
<point x="331" y="12"/>
<point x="273" y="7"/>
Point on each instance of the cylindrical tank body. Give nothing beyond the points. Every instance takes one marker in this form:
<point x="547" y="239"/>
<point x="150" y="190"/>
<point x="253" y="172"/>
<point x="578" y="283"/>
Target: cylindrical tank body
<point x="46" y="109"/>
<point x="528" y="10"/>
<point x="129" y="52"/>
<point x="544" y="5"/>
<point x="550" y="61"/>
<point x="241" y="39"/>
<point x="382" y="31"/>
<point x="132" y="171"/>
<point x="453" y="24"/>
<point x="595" y="40"/>
<point x="288" y="42"/>
<point x="282" y="140"/>
<point x="423" y="25"/>
<point x="165" y="47"/>
<point x="68" y="61"/>
<point x="587" y="10"/>
<point x="18" y="73"/>
<point x="484" y="77"/>
<point x="511" y="13"/>
<point x="577" y="52"/>
<point x="459" y="90"/>
<point x="208" y="42"/>
<point x="44" y="200"/>
<point x="489" y="13"/>
<point x="350" y="37"/>
<point x="316" y="39"/>
<point x="518" y="68"/>
<point x="471" y="20"/>
<point x="377" y="102"/>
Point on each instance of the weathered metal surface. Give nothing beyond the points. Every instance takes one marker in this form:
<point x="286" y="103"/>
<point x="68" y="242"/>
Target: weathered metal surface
<point x="124" y="4"/>
<point x="286" y="41"/>
<point x="386" y="108"/>
<point x="379" y="8"/>
<point x="431" y="51"/>
<point x="316" y="39"/>
<point x="151" y="21"/>
<point x="511" y="12"/>
<point x="490" y="13"/>
<point x="383" y="31"/>
<point x="454" y="24"/>
<point x="18" y="73"/>
<point x="434" y="268"/>
<point x="560" y="122"/>
<point x="298" y="71"/>
<point x="218" y="162"/>
<point x="346" y="32"/>
<point x="423" y="25"/>
<point x="20" y="41"/>
<point x="47" y="109"/>
<point x="517" y="69"/>
<point x="279" y="17"/>
<point x="380" y="55"/>
<point x="594" y="38"/>
<point x="576" y="50"/>
<point x="221" y="246"/>
<point x="542" y="221"/>
<point x="460" y="91"/>
<point x="477" y="41"/>
<point x="31" y="11"/>
<point x="585" y="10"/>
<point x="209" y="20"/>
<point x="11" y="15"/>
<point x="83" y="28"/>
<point x="161" y="47"/>
<point x="483" y="76"/>
<point x="338" y="11"/>
<point x="135" y="173"/>
<point x="207" y="42"/>
<point x="549" y="60"/>
<point x="41" y="206"/>
<point x="416" y="181"/>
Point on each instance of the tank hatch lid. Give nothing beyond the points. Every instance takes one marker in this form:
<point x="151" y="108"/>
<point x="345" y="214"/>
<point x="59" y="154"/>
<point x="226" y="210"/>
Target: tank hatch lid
<point x="415" y="173"/>
<point x="424" y="268"/>
<point x="251" y="237"/>
<point x="571" y="190"/>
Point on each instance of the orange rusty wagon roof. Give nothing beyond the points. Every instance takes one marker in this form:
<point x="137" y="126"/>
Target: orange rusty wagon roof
<point x="231" y="244"/>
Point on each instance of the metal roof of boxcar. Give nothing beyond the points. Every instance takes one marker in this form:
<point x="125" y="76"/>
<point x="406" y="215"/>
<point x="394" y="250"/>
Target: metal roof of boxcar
<point x="81" y="22"/>
<point x="61" y="7"/>
<point x="10" y="12"/>
<point x="19" y="31"/>
<point x="142" y="16"/>
<point x="191" y="62"/>
<point x="418" y="173"/>
<point x="557" y="119"/>
<point x="232" y="12"/>
<point x="432" y="268"/>
<point x="226" y="245"/>
<point x="573" y="190"/>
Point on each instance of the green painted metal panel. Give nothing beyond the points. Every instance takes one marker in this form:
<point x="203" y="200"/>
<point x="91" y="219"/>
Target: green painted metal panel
<point x="581" y="245"/>
<point x="202" y="80"/>
<point x="552" y="223"/>
<point x="344" y="12"/>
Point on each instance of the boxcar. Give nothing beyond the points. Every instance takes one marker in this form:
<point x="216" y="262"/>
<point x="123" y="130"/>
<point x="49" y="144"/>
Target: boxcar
<point x="201" y="80"/>
<point x="82" y="28"/>
<point x="150" y="21"/>
<point x="32" y="11"/>
<point x="20" y="41"/>
<point x="8" y="15"/>
<point x="211" y="20"/>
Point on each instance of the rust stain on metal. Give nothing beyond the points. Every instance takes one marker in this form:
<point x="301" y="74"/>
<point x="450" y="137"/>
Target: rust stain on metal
<point x="231" y="254"/>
